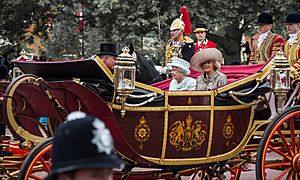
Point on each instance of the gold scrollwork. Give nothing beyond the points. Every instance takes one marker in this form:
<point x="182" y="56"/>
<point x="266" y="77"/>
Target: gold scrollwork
<point x="142" y="132"/>
<point x="186" y="135"/>
<point x="228" y="130"/>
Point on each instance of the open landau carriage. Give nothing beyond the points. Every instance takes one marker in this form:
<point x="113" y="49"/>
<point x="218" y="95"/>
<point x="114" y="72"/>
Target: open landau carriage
<point x="159" y="134"/>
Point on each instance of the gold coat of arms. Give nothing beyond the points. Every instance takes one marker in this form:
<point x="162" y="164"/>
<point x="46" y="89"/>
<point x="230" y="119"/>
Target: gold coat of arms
<point x="186" y="135"/>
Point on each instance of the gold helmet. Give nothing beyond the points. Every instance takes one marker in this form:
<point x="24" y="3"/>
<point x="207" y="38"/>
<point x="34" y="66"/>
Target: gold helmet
<point x="177" y="24"/>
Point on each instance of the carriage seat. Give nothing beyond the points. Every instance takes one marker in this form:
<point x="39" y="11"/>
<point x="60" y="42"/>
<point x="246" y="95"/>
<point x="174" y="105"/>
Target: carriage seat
<point x="232" y="72"/>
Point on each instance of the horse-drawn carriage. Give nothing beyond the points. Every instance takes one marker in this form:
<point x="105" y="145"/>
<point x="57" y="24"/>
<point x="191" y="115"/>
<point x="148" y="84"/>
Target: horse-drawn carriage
<point x="166" y="134"/>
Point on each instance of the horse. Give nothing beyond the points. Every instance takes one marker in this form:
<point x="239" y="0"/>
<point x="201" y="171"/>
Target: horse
<point x="145" y="70"/>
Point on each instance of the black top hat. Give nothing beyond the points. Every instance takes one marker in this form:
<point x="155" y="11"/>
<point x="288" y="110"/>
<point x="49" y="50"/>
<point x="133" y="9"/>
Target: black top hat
<point x="293" y="17"/>
<point x="200" y="28"/>
<point x="108" y="49"/>
<point x="264" y="18"/>
<point x="82" y="142"/>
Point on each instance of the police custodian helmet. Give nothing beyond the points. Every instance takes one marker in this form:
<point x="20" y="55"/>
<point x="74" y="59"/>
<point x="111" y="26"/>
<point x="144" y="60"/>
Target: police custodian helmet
<point x="82" y="142"/>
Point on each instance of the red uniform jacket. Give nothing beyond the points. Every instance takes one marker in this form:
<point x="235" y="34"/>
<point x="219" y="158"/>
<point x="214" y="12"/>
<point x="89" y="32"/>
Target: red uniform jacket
<point x="270" y="46"/>
<point x="204" y="44"/>
<point x="292" y="52"/>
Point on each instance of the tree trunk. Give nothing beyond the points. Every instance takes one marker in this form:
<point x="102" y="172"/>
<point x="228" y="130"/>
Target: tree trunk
<point x="230" y="44"/>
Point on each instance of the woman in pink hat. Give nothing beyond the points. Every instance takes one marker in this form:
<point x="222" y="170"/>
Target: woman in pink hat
<point x="208" y="61"/>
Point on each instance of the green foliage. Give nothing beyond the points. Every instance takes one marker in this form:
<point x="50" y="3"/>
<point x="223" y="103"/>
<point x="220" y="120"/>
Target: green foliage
<point x="128" y="21"/>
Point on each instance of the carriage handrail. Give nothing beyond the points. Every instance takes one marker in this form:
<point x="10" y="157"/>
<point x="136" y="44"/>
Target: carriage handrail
<point x="258" y="81"/>
<point x="151" y="95"/>
<point x="143" y="96"/>
<point x="259" y="99"/>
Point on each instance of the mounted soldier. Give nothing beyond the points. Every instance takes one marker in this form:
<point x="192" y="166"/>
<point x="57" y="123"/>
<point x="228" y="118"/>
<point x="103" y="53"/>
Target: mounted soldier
<point x="180" y="45"/>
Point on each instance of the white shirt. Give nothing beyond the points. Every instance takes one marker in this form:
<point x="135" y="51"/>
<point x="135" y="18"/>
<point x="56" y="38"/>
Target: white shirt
<point x="293" y="38"/>
<point x="261" y="38"/>
<point x="201" y="42"/>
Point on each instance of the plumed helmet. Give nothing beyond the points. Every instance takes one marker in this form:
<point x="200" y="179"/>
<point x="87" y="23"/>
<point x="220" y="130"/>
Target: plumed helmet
<point x="183" y="23"/>
<point x="177" y="24"/>
<point x="208" y="54"/>
<point x="293" y="17"/>
<point x="82" y="142"/>
<point x="264" y="18"/>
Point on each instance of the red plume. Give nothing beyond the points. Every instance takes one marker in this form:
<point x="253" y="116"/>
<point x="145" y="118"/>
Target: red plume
<point x="186" y="19"/>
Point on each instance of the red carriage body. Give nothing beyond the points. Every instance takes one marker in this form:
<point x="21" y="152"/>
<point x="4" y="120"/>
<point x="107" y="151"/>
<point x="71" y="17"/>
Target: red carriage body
<point x="175" y="130"/>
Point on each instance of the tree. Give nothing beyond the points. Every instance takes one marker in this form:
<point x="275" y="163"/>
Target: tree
<point x="228" y="20"/>
<point x="19" y="16"/>
<point x="234" y="18"/>
<point x="129" y="21"/>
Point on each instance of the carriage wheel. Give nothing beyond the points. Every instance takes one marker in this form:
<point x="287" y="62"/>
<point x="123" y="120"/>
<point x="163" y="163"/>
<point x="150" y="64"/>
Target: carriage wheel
<point x="37" y="163"/>
<point x="278" y="154"/>
<point x="223" y="173"/>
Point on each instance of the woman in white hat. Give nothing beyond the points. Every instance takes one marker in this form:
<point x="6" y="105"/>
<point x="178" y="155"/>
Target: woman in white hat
<point x="180" y="71"/>
<point x="208" y="61"/>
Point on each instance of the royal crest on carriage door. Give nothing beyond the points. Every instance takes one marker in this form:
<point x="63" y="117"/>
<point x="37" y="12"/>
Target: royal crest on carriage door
<point x="142" y="132"/>
<point x="187" y="135"/>
<point x="228" y="130"/>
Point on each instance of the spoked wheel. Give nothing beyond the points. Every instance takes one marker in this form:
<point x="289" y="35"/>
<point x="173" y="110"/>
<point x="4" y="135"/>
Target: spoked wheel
<point x="278" y="154"/>
<point x="37" y="163"/>
<point x="217" y="172"/>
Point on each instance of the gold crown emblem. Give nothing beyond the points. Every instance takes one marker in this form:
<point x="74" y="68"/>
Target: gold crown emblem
<point x="189" y="120"/>
<point x="142" y="120"/>
<point x="228" y="118"/>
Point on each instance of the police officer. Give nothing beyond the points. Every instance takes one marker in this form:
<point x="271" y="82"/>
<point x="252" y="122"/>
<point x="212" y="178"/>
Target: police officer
<point x="83" y="149"/>
<point x="292" y="45"/>
<point x="202" y="42"/>
<point x="179" y="45"/>
<point x="268" y="43"/>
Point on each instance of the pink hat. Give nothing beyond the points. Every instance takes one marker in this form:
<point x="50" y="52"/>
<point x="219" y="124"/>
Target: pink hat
<point x="208" y="54"/>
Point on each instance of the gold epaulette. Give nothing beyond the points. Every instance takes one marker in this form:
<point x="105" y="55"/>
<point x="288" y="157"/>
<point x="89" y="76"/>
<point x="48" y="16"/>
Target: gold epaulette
<point x="187" y="39"/>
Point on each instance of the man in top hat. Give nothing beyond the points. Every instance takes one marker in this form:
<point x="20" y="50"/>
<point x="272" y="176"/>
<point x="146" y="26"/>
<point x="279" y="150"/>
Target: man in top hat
<point x="202" y="42"/>
<point x="292" y="45"/>
<point x="83" y="149"/>
<point x="179" y="45"/>
<point x="268" y="43"/>
<point x="108" y="54"/>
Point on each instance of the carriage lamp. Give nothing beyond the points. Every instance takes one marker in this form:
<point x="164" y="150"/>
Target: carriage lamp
<point x="124" y="77"/>
<point x="24" y="56"/>
<point x="280" y="79"/>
